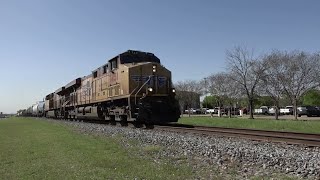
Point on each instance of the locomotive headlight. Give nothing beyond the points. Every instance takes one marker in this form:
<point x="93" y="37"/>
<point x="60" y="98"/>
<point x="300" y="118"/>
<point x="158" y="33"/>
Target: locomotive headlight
<point x="154" y="68"/>
<point x="173" y="90"/>
<point x="150" y="89"/>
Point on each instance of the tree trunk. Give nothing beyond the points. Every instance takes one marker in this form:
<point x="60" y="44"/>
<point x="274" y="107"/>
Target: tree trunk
<point x="230" y="110"/>
<point x="276" y="114"/>
<point x="219" y="110"/>
<point x="295" y="109"/>
<point x="251" y="108"/>
<point x="181" y="109"/>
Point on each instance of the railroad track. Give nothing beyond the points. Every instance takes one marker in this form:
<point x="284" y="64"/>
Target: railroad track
<point x="311" y="140"/>
<point x="307" y="139"/>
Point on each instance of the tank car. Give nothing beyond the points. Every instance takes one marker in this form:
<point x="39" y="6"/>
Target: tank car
<point x="38" y="109"/>
<point x="132" y="86"/>
<point x="34" y="109"/>
<point x="29" y="111"/>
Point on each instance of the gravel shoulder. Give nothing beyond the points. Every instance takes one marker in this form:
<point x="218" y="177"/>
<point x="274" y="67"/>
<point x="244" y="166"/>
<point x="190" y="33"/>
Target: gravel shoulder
<point x="215" y="157"/>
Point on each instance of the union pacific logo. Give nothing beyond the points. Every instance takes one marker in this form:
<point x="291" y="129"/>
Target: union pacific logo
<point x="160" y="79"/>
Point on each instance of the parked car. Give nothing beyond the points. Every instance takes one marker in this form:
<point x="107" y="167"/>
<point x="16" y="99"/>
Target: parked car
<point x="308" y="111"/>
<point x="222" y="111"/>
<point x="302" y="110"/>
<point x="244" y="111"/>
<point x="199" y="111"/>
<point x="191" y="111"/>
<point x="262" y="110"/>
<point x="288" y="110"/>
<point x="216" y="109"/>
<point x="272" y="111"/>
<point x="234" y="111"/>
<point x="210" y="111"/>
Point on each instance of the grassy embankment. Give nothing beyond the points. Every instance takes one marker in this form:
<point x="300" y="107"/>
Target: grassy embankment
<point x="264" y="124"/>
<point x="35" y="149"/>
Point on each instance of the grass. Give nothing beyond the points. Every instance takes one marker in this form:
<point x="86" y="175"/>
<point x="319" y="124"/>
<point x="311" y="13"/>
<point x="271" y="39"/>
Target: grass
<point x="264" y="124"/>
<point x="35" y="149"/>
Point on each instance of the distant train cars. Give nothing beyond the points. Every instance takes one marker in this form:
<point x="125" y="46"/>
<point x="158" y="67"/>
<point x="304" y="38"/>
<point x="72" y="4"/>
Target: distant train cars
<point x="2" y="115"/>
<point x="132" y="86"/>
<point x="36" y="110"/>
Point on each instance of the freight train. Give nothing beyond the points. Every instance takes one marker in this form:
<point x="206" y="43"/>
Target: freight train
<point x="131" y="87"/>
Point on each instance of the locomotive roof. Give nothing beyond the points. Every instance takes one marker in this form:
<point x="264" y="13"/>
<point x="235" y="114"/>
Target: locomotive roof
<point x="132" y="56"/>
<point x="73" y="83"/>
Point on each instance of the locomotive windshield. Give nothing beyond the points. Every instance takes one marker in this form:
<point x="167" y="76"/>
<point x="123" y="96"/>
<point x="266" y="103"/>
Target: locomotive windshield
<point x="137" y="56"/>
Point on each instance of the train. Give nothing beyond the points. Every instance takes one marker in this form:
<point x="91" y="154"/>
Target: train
<point x="36" y="110"/>
<point x="131" y="87"/>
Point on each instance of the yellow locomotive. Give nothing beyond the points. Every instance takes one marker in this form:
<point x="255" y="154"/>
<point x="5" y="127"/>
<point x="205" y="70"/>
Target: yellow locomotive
<point x="132" y="86"/>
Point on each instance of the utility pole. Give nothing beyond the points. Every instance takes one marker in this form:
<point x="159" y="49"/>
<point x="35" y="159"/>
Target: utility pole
<point x="205" y="91"/>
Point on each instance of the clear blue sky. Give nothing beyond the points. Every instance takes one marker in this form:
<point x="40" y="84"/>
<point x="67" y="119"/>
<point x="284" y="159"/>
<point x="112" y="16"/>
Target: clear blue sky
<point x="45" y="44"/>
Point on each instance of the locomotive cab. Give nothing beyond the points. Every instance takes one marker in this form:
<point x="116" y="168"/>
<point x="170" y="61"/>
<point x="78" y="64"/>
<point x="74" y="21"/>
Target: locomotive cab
<point x="151" y="89"/>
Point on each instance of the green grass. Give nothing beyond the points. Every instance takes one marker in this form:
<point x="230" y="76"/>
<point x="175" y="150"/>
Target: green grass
<point x="264" y="124"/>
<point x="35" y="149"/>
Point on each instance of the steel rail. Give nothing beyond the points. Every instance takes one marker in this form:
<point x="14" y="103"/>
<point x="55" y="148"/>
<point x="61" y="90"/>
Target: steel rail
<point x="307" y="139"/>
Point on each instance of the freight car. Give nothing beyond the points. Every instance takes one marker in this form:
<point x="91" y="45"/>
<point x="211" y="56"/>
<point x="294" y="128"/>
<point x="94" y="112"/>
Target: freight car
<point x="38" y="109"/>
<point x="133" y="86"/>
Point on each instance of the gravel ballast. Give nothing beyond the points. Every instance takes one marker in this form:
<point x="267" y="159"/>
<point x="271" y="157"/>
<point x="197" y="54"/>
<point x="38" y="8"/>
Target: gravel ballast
<point x="248" y="158"/>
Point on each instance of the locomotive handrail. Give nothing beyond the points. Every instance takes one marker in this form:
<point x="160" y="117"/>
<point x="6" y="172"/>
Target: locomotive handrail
<point x="135" y="96"/>
<point x="129" y="101"/>
<point x="134" y="90"/>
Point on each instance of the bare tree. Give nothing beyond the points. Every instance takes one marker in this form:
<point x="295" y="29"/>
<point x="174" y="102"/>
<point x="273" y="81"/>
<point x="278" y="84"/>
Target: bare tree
<point x="233" y="92"/>
<point x="246" y="70"/>
<point x="218" y="86"/>
<point x="298" y="73"/>
<point x="187" y="92"/>
<point x="271" y="83"/>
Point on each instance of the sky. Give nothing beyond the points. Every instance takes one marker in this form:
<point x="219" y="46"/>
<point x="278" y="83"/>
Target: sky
<point x="44" y="44"/>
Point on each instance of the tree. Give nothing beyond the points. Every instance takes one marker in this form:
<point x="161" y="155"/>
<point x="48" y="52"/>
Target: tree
<point x="223" y="88"/>
<point x="312" y="98"/>
<point x="233" y="92"/>
<point x="264" y="101"/>
<point x="299" y="73"/>
<point x="271" y="82"/>
<point x="246" y="70"/>
<point x="210" y="102"/>
<point x="187" y="91"/>
<point x="217" y="86"/>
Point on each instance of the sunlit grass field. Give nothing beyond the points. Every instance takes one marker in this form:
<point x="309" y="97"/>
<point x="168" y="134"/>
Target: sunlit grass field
<point x="35" y="149"/>
<point x="39" y="149"/>
<point x="264" y="124"/>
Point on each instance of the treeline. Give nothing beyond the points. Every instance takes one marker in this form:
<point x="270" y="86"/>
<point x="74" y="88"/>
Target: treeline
<point x="279" y="75"/>
<point x="311" y="98"/>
